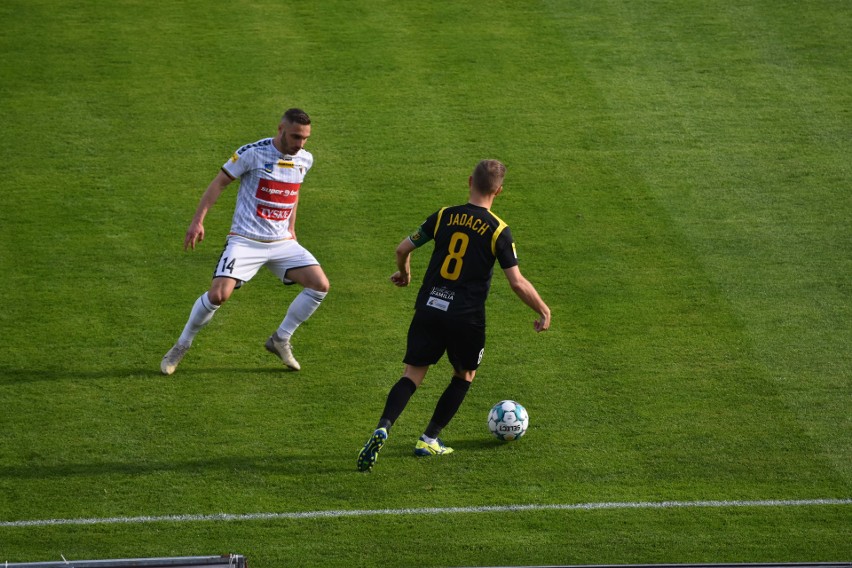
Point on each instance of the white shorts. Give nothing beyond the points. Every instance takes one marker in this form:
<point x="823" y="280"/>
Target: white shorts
<point x="242" y="258"/>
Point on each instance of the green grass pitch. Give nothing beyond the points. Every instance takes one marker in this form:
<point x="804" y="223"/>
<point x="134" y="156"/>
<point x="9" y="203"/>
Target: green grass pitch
<point x="679" y="190"/>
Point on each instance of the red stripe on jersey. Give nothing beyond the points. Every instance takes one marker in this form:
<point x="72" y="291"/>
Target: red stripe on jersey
<point x="277" y="191"/>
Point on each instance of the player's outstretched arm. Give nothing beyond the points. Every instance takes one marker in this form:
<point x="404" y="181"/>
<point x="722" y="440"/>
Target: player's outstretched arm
<point x="402" y="277"/>
<point x="195" y="232"/>
<point x="527" y="292"/>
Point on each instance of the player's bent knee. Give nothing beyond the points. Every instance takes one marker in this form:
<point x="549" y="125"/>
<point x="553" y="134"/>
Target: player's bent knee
<point x="319" y="284"/>
<point x="217" y="298"/>
<point x="465" y="375"/>
<point x="220" y="291"/>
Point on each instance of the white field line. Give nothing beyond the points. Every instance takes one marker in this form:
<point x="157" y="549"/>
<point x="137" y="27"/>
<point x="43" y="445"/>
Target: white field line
<point x="421" y="511"/>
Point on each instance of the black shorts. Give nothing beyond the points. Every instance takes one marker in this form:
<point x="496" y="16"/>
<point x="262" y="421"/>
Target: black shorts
<point x="432" y="334"/>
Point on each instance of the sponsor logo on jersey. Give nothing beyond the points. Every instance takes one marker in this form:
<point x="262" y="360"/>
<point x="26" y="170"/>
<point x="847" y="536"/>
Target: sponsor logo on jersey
<point x="441" y="292"/>
<point x="269" y="167"/>
<point x="273" y="213"/>
<point x="277" y="191"/>
<point x="235" y="157"/>
<point x="438" y="303"/>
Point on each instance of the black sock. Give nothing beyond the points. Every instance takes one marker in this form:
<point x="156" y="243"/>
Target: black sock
<point x="447" y="406"/>
<point x="398" y="397"/>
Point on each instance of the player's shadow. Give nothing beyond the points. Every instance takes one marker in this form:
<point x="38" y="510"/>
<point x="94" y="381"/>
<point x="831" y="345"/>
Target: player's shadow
<point x="476" y="444"/>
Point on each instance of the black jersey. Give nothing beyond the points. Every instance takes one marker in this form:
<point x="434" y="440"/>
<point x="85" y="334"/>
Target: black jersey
<point x="468" y="239"/>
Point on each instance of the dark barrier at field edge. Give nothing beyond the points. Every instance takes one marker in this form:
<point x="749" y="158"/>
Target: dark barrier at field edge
<point x="229" y="561"/>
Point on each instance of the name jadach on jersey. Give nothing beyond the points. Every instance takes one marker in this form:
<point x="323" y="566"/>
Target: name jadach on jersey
<point x="464" y="220"/>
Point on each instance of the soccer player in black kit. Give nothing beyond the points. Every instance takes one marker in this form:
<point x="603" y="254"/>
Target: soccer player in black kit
<point x="450" y="307"/>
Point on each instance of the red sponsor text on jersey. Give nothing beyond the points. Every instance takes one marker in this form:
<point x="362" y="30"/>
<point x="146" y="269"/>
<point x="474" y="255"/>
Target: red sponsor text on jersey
<point x="272" y="213"/>
<point x="277" y="191"/>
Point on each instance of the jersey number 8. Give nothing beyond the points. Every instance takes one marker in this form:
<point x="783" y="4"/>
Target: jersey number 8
<point x="452" y="267"/>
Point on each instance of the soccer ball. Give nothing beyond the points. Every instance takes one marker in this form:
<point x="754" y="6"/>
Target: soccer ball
<point x="508" y="420"/>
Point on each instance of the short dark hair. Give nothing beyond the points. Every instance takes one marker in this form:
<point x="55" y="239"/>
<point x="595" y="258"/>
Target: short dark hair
<point x="488" y="176"/>
<point x="296" y="116"/>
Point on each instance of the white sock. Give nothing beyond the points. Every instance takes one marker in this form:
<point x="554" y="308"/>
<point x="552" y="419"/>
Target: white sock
<point x="301" y="308"/>
<point x="201" y="314"/>
<point x="427" y="439"/>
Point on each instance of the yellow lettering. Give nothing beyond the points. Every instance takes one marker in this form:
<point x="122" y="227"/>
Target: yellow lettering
<point x="464" y="220"/>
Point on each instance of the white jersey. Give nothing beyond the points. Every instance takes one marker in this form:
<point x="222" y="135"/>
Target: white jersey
<point x="269" y="189"/>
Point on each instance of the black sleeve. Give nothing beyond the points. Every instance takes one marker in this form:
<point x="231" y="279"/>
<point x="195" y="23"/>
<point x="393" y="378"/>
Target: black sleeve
<point x="505" y="249"/>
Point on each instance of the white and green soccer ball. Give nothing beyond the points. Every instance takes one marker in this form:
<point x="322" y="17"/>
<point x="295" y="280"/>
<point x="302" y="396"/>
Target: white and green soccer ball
<point x="508" y="420"/>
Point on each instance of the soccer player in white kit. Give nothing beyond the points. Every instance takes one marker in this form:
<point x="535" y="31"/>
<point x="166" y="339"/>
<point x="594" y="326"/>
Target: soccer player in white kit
<point x="263" y="233"/>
